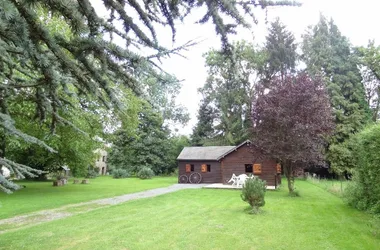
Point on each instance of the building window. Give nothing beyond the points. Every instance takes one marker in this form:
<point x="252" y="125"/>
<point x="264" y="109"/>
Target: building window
<point x="205" y="168"/>
<point x="189" y="168"/>
<point x="248" y="168"/>
<point x="104" y="158"/>
<point x="278" y="168"/>
<point x="257" y="168"/>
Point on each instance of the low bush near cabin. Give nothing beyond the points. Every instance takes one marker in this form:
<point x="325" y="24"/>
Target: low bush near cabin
<point x="120" y="173"/>
<point x="253" y="193"/>
<point x="145" y="173"/>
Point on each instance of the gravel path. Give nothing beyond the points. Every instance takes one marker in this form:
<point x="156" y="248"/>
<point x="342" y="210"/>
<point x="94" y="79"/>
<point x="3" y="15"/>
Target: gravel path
<point x="145" y="194"/>
<point x="31" y="219"/>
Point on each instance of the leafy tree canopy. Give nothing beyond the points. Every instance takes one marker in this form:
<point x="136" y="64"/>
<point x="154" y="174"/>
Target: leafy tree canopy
<point x="224" y="117"/>
<point x="291" y="122"/>
<point x="149" y="146"/>
<point x="370" y="67"/>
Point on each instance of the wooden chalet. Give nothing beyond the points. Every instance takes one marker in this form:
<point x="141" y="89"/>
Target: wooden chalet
<point x="216" y="164"/>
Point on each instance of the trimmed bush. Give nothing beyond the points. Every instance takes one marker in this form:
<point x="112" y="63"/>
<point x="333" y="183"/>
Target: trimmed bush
<point x="253" y="193"/>
<point x="92" y="173"/>
<point x="145" y="173"/>
<point x="120" y="173"/>
<point x="364" y="190"/>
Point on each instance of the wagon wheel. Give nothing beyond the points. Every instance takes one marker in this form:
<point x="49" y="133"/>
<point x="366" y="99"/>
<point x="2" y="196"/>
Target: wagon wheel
<point x="195" y="178"/>
<point x="183" y="179"/>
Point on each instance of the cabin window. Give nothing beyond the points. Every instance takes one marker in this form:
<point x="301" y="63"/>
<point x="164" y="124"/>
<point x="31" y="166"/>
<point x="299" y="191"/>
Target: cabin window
<point x="187" y="168"/>
<point x="278" y="169"/>
<point x="248" y="168"/>
<point x="257" y="168"/>
<point x="204" y="168"/>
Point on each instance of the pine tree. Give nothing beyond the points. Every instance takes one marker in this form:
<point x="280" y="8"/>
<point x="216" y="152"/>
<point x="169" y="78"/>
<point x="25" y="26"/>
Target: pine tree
<point x="281" y="48"/>
<point x="204" y="129"/>
<point x="328" y="53"/>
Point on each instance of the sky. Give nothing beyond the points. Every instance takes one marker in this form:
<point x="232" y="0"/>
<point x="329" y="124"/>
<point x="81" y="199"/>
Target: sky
<point x="357" y="20"/>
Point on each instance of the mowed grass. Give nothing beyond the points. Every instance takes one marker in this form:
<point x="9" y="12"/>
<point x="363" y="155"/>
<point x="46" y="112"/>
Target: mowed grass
<point x="333" y="186"/>
<point x="42" y="195"/>
<point x="208" y="219"/>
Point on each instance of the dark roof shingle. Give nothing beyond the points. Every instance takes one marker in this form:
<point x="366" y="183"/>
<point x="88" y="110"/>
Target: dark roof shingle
<point x="207" y="153"/>
<point x="203" y="153"/>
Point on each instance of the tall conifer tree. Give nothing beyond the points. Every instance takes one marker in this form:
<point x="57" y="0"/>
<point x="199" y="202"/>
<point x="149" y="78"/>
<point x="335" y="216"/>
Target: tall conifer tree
<point x="281" y="48"/>
<point x="204" y="129"/>
<point x="328" y="53"/>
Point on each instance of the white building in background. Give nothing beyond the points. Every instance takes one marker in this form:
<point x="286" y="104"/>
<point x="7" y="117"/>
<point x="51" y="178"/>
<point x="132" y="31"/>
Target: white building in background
<point x="101" y="161"/>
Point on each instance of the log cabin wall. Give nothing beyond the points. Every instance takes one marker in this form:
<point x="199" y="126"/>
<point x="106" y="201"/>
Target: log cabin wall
<point x="214" y="176"/>
<point x="234" y="163"/>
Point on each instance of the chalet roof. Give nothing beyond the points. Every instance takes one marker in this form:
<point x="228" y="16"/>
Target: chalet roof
<point x="213" y="153"/>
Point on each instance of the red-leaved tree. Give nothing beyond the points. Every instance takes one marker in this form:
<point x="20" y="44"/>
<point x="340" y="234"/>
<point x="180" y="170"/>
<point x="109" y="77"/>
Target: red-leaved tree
<point x="291" y="122"/>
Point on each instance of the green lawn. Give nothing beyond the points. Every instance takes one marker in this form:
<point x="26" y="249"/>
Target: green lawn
<point x="333" y="186"/>
<point x="208" y="219"/>
<point x="42" y="195"/>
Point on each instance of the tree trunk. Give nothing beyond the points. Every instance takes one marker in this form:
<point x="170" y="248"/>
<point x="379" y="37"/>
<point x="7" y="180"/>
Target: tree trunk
<point x="289" y="173"/>
<point x="376" y="111"/>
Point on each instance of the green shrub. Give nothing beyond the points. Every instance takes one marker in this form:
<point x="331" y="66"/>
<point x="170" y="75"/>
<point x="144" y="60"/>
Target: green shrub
<point x="120" y="173"/>
<point x="364" y="190"/>
<point x="253" y="193"/>
<point x="145" y="173"/>
<point x="92" y="173"/>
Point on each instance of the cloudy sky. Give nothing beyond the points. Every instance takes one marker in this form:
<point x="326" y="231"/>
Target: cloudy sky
<point x="358" y="20"/>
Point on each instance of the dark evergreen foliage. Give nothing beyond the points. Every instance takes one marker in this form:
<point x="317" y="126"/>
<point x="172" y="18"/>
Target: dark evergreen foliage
<point x="281" y="48"/>
<point x="253" y="193"/>
<point x="204" y="129"/>
<point x="327" y="53"/>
